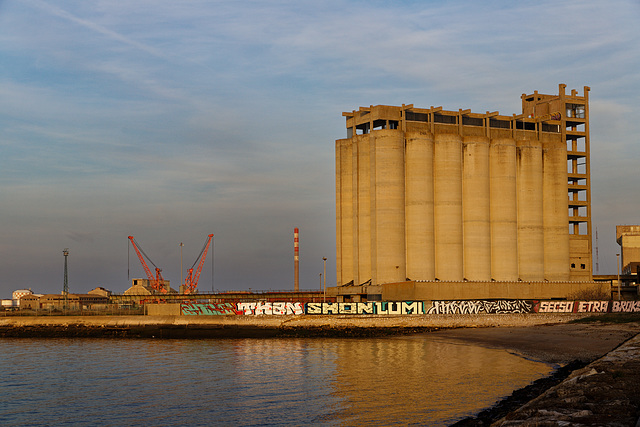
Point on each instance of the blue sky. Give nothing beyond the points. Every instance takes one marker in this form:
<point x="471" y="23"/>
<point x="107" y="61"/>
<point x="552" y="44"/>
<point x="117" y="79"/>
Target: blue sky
<point x="171" y="120"/>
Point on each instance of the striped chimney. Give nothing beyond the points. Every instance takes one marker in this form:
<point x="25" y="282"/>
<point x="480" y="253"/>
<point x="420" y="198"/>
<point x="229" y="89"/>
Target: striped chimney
<point x="296" y="259"/>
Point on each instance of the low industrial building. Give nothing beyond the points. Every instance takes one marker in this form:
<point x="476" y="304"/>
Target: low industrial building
<point x="62" y="302"/>
<point x="628" y="237"/>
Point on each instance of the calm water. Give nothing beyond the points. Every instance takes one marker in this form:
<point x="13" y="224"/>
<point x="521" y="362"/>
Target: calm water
<point x="381" y="381"/>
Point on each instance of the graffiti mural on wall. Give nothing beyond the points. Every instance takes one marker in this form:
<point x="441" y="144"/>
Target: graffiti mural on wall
<point x="585" y="306"/>
<point x="407" y="307"/>
<point x="381" y="307"/>
<point x="554" y="307"/>
<point x="591" y="306"/>
<point x="208" y="309"/>
<point x="625" y="306"/>
<point x="480" y="306"/>
<point x="273" y="308"/>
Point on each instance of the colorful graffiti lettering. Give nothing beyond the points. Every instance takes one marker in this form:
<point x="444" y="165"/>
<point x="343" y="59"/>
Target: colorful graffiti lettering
<point x="407" y="307"/>
<point x="382" y="307"/>
<point x="272" y="308"/>
<point x="625" y="306"/>
<point x="480" y="306"/>
<point x="208" y="309"/>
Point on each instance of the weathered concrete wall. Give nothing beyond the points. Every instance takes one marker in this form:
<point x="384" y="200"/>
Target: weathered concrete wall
<point x="162" y="309"/>
<point x="387" y="147"/>
<point x="555" y="207"/>
<point x="447" y="170"/>
<point x="476" y="213"/>
<point x="530" y="226"/>
<point x="425" y="291"/>
<point x="419" y="206"/>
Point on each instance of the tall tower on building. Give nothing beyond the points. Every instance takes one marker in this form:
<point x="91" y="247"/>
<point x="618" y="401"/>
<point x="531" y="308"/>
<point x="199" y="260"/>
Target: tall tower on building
<point x="574" y="127"/>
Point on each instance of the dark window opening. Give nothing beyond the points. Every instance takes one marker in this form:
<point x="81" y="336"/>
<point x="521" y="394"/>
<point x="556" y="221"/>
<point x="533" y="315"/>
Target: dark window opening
<point x="525" y="125"/>
<point x="472" y="121"/>
<point x="362" y="128"/>
<point x="416" y="117"/>
<point x="502" y="124"/>
<point x="546" y="127"/>
<point x="439" y="118"/>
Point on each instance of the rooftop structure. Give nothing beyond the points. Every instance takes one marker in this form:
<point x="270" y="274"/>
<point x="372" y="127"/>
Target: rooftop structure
<point x="628" y="237"/>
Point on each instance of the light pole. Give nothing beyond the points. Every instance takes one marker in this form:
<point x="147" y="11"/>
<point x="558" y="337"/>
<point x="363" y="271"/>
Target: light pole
<point x="324" y="274"/>
<point x="181" y="245"/>
<point x="320" y="281"/>
<point x="65" y="285"/>
<point x="618" y="265"/>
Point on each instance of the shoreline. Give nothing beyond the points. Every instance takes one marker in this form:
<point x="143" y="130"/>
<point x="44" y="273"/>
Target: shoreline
<point x="546" y="338"/>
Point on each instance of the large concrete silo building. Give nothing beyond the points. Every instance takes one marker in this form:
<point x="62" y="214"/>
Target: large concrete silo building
<point x="436" y="204"/>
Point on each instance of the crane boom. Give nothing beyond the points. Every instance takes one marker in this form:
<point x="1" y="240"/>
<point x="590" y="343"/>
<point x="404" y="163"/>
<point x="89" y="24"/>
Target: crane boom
<point x="191" y="282"/>
<point x="157" y="282"/>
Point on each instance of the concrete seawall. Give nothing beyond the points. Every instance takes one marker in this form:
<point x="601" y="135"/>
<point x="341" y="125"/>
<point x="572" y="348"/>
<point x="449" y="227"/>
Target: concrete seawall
<point x="259" y="326"/>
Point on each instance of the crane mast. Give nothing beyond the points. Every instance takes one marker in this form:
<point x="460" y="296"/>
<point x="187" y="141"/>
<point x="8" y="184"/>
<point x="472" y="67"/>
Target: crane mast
<point x="156" y="282"/>
<point x="191" y="282"/>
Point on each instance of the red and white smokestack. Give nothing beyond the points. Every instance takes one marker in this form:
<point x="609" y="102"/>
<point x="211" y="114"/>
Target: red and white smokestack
<point x="296" y="259"/>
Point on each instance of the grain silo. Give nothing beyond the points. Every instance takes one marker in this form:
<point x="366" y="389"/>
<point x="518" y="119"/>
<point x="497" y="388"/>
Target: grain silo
<point x="431" y="202"/>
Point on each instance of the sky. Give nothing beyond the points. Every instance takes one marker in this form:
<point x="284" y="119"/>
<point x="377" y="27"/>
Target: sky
<point x="171" y="120"/>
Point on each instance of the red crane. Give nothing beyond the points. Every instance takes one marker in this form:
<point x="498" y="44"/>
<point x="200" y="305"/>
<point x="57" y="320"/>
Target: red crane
<point x="157" y="282"/>
<point x="191" y="282"/>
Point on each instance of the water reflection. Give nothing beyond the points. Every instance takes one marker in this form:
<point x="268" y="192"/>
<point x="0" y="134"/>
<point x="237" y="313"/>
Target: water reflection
<point x="415" y="379"/>
<point x="399" y="380"/>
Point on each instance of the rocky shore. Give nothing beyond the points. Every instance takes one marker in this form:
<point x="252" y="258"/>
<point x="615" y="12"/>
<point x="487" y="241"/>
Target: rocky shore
<point x="577" y="349"/>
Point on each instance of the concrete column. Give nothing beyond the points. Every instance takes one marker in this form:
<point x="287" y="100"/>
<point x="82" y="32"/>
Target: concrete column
<point x="364" y="210"/>
<point x="447" y="172"/>
<point x="346" y="210"/>
<point x="555" y="208"/>
<point x="389" y="199"/>
<point x="338" y="152"/>
<point x="419" y="206"/>
<point x="530" y="230"/>
<point x="476" y="211"/>
<point x="373" y="203"/>
<point x="503" y="207"/>
<point x="355" y="190"/>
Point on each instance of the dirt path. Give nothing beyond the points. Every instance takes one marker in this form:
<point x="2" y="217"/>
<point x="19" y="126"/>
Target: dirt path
<point x="558" y="344"/>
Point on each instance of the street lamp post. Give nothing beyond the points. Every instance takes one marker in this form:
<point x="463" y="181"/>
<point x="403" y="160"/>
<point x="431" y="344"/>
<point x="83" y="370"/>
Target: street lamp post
<point x="324" y="275"/>
<point x="618" y="265"/>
